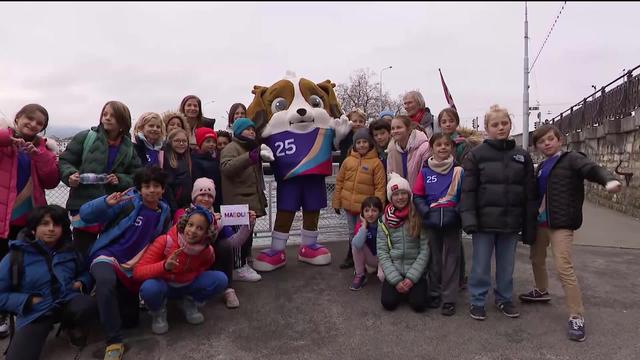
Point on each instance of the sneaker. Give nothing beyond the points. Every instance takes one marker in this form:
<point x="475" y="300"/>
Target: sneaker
<point x="358" y="282"/>
<point x="477" y="312"/>
<point x="4" y="326"/>
<point x="191" y="312"/>
<point x="314" y="254"/>
<point x="576" y="329"/>
<point x="159" y="324"/>
<point x="347" y="263"/>
<point x="448" y="309"/>
<point x="77" y="337"/>
<point x="114" y="352"/>
<point x="508" y="309"/>
<point x="246" y="273"/>
<point x="231" y="299"/>
<point x="535" y="295"/>
<point x="269" y="260"/>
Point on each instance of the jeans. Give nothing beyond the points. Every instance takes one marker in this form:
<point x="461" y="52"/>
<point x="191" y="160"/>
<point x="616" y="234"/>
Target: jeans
<point x="207" y="284"/>
<point x="480" y="278"/>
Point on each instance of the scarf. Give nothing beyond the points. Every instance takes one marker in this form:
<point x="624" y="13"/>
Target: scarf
<point x="157" y="146"/>
<point x="442" y="167"/>
<point x="410" y="142"/>
<point x="191" y="249"/>
<point x="417" y="117"/>
<point x="249" y="143"/>
<point x="395" y="218"/>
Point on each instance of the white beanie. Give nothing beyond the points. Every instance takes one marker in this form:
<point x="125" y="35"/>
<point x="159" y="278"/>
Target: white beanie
<point x="396" y="182"/>
<point x="203" y="186"/>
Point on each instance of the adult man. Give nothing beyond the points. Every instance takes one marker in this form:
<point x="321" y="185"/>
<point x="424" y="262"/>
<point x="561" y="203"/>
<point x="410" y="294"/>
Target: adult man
<point x="414" y="104"/>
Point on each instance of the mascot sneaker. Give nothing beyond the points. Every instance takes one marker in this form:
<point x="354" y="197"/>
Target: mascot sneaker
<point x="314" y="254"/>
<point x="269" y="260"/>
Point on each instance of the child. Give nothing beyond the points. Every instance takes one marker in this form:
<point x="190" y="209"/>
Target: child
<point x="149" y="139"/>
<point x="380" y="130"/>
<point x="386" y="115"/>
<point x="176" y="265"/>
<point x="206" y="161"/>
<point x="224" y="138"/>
<point x="361" y="175"/>
<point x="358" y="120"/>
<point x="106" y="150"/>
<point x="561" y="194"/>
<point x="243" y="183"/>
<point x="403" y="250"/>
<point x="175" y="120"/>
<point x="364" y="241"/>
<point x="177" y="165"/>
<point x="132" y="220"/>
<point x="436" y="193"/>
<point x="49" y="284"/>
<point x="408" y="149"/>
<point x="498" y="202"/>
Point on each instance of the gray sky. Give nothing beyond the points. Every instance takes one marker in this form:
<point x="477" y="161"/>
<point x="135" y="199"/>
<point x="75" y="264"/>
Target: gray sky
<point x="73" y="57"/>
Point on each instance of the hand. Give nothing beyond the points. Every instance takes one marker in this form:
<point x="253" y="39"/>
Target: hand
<point x="252" y="217"/>
<point x="77" y="285"/>
<point x="217" y="217"/>
<point x="74" y="179"/>
<point x="364" y="222"/>
<point x="112" y="179"/>
<point x="266" y="154"/>
<point x="342" y="126"/>
<point x="31" y="149"/>
<point x="400" y="287"/>
<point x="337" y="211"/>
<point x="172" y="261"/>
<point x="116" y="198"/>
<point x="408" y="284"/>
<point x="17" y="142"/>
<point x="614" y="186"/>
<point x="36" y="299"/>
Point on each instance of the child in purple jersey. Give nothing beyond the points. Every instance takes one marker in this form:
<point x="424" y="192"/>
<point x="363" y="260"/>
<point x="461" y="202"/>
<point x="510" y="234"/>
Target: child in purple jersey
<point x="149" y="138"/>
<point x="131" y="220"/>
<point x="436" y="194"/>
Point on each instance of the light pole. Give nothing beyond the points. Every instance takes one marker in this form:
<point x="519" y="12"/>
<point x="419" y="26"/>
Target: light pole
<point x="525" y="100"/>
<point x="383" y="69"/>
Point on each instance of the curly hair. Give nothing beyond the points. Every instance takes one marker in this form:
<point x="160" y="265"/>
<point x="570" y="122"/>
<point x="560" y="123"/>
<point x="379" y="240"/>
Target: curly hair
<point x="211" y="234"/>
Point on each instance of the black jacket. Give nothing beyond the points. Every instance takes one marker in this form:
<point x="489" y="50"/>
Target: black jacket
<point x="499" y="190"/>
<point x="179" y="184"/>
<point x="565" y="188"/>
<point x="207" y="166"/>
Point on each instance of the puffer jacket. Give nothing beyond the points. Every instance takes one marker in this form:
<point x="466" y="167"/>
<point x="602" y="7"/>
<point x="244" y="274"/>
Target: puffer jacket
<point x="44" y="165"/>
<point x="151" y="265"/>
<point x="499" y="190"/>
<point x="565" y="188"/>
<point x="35" y="279"/>
<point x="418" y="150"/>
<point x="359" y="177"/>
<point x="406" y="257"/>
<point x="124" y="165"/>
<point x="242" y="179"/>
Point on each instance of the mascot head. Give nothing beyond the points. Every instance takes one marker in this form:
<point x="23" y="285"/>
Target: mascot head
<point x="293" y="104"/>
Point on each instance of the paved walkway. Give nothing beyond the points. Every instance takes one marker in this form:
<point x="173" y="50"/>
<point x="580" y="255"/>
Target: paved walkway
<point x="605" y="227"/>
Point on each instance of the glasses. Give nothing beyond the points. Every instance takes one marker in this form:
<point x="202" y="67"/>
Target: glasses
<point x="180" y="141"/>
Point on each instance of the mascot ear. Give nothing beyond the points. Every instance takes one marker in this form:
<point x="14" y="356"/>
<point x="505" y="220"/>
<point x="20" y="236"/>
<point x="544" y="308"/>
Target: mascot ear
<point x="334" y="106"/>
<point x="257" y="110"/>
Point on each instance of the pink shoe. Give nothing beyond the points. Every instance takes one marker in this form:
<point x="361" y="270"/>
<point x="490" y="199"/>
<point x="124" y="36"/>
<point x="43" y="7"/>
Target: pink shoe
<point x="314" y="254"/>
<point x="269" y="260"/>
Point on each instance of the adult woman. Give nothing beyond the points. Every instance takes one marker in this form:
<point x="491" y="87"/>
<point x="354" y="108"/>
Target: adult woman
<point x="237" y="111"/>
<point x="191" y="107"/>
<point x="407" y="150"/>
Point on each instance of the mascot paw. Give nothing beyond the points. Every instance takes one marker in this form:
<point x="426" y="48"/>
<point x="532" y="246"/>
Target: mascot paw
<point x="269" y="260"/>
<point x="266" y="154"/>
<point x="342" y="126"/>
<point x="314" y="254"/>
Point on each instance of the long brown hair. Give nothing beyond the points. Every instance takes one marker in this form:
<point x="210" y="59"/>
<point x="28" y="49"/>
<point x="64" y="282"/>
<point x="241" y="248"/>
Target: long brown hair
<point x="415" y="222"/>
<point x="233" y="109"/>
<point x="171" y="153"/>
<point x="121" y="113"/>
<point x="183" y="103"/>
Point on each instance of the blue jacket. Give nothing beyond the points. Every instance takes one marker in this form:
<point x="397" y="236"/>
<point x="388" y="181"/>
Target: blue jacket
<point x="121" y="215"/>
<point x="35" y="280"/>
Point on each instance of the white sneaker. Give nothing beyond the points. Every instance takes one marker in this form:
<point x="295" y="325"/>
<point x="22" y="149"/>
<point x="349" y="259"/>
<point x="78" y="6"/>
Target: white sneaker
<point x="246" y="273"/>
<point x="191" y="312"/>
<point x="231" y="299"/>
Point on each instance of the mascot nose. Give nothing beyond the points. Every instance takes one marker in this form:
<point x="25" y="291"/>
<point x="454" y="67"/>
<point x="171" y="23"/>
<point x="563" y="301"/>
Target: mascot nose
<point x="301" y="112"/>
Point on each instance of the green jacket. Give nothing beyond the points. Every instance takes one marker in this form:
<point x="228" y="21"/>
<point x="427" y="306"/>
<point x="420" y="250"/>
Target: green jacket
<point x="242" y="180"/>
<point x="407" y="257"/>
<point x="71" y="161"/>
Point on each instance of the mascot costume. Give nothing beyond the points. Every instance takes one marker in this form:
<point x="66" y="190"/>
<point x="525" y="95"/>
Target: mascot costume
<point x="298" y="122"/>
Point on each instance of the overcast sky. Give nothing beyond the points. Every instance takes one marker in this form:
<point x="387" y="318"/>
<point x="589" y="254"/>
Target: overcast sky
<point x="73" y="57"/>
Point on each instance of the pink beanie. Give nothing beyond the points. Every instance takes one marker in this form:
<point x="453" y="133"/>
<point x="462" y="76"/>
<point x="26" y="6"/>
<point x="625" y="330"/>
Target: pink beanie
<point x="203" y="186"/>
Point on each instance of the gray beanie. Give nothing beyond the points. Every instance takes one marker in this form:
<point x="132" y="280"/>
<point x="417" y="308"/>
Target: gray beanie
<point x="362" y="133"/>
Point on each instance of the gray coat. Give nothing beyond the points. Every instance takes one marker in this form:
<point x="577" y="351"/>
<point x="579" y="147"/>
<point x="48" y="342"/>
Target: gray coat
<point x="242" y="180"/>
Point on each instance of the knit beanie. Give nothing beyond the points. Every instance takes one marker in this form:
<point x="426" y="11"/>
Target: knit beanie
<point x="241" y="125"/>
<point x="203" y="134"/>
<point x="396" y="183"/>
<point x="362" y="133"/>
<point x="203" y="186"/>
<point x="386" y="113"/>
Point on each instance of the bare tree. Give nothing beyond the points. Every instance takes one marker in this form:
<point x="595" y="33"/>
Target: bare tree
<point x="361" y="92"/>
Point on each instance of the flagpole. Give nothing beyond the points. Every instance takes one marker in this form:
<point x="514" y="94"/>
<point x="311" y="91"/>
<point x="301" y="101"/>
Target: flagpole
<point x="525" y="97"/>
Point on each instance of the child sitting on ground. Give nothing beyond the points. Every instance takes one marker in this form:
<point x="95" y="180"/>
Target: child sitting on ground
<point x="364" y="241"/>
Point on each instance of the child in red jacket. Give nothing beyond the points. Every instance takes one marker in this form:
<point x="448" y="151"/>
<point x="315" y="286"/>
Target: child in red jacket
<point x="176" y="265"/>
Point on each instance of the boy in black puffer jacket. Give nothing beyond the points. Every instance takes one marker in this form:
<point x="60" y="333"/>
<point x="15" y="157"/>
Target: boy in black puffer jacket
<point x="498" y="202"/>
<point x="561" y="194"/>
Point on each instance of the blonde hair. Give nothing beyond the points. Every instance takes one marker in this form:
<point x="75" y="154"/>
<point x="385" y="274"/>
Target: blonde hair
<point x="357" y="112"/>
<point x="146" y="118"/>
<point x="495" y="110"/>
<point x="171" y="153"/>
<point x="168" y="115"/>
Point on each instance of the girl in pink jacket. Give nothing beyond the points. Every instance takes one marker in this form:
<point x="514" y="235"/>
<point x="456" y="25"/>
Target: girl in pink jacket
<point x="407" y="150"/>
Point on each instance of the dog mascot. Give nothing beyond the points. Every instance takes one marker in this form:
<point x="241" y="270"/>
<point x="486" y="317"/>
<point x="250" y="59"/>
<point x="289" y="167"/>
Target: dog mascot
<point x="297" y="122"/>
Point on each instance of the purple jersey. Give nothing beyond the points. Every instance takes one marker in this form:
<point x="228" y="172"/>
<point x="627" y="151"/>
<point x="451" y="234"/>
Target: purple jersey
<point x="301" y="154"/>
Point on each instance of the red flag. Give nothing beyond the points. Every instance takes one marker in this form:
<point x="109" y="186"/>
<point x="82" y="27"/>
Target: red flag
<point x="447" y="94"/>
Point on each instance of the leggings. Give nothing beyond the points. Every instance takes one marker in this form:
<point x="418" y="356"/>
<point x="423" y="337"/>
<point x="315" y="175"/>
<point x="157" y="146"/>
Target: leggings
<point x="417" y="296"/>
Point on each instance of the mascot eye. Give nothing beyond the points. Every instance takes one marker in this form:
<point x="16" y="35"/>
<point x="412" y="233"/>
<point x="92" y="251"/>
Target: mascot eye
<point x="279" y="104"/>
<point x="315" y="101"/>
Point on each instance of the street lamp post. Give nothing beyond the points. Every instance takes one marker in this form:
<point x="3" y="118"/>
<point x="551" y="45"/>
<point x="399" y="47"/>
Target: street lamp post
<point x="383" y="69"/>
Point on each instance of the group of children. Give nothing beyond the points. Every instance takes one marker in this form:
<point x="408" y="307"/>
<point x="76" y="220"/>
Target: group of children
<point x="439" y="186"/>
<point x="145" y="224"/>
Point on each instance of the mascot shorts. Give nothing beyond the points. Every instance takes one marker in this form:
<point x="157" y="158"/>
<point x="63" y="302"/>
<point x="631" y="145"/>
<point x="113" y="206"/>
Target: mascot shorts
<point x="308" y="192"/>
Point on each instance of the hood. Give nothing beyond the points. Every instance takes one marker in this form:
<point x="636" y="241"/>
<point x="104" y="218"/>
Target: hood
<point x="473" y="137"/>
